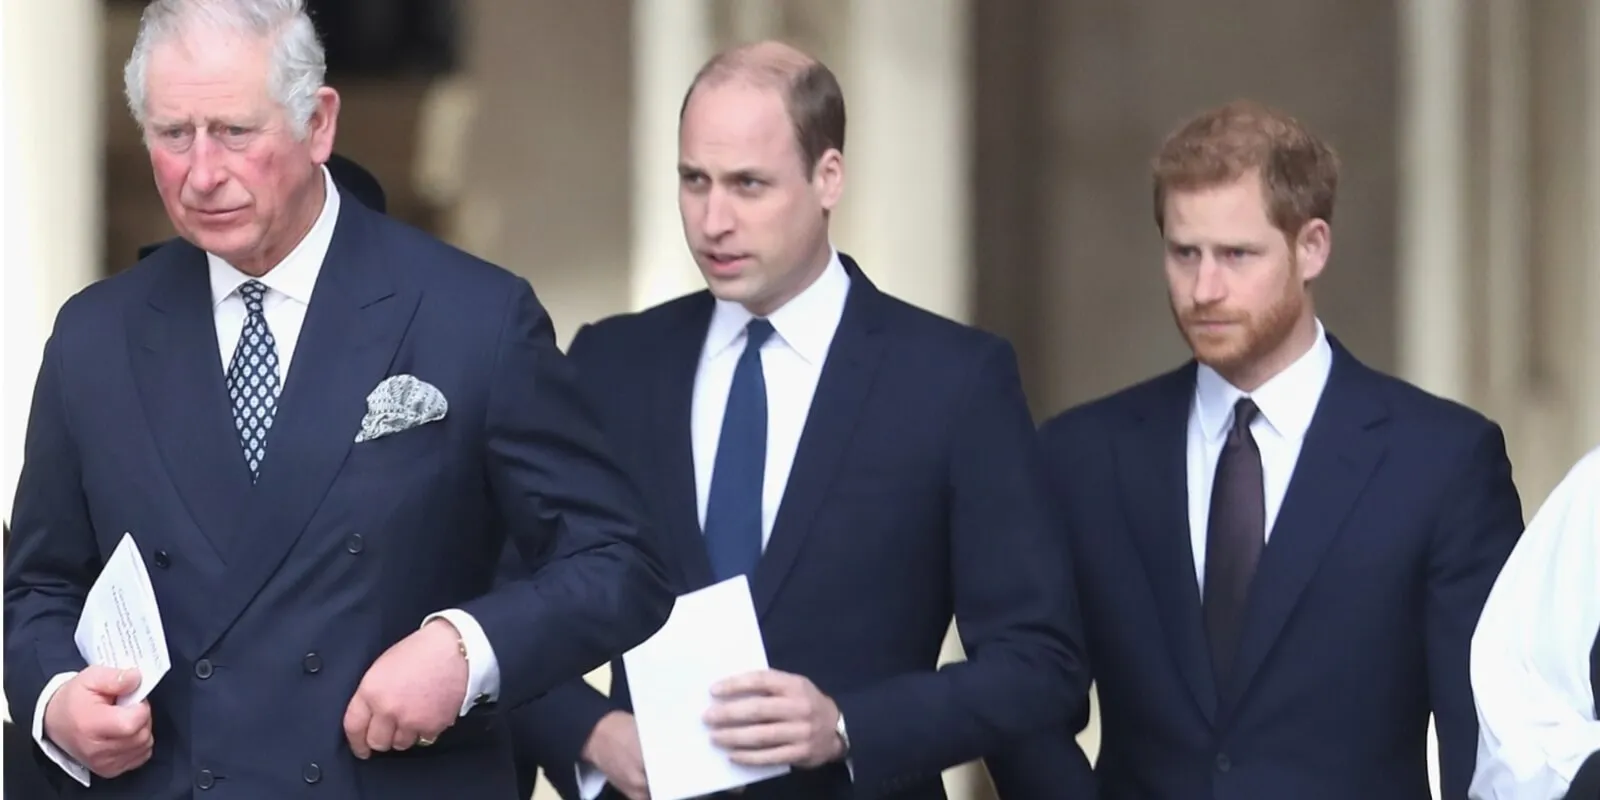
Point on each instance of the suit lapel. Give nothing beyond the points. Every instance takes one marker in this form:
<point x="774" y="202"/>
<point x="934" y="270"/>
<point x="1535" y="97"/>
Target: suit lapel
<point x="835" y="408"/>
<point x="354" y="325"/>
<point x="178" y="369"/>
<point x="674" y="445"/>
<point x="1343" y="447"/>
<point x="1152" y="466"/>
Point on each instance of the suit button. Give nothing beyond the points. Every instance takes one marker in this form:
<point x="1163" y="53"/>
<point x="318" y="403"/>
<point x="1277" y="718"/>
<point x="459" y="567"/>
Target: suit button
<point x="205" y="780"/>
<point x="202" y="669"/>
<point x="162" y="562"/>
<point x="313" y="664"/>
<point x="311" y="772"/>
<point x="1223" y="763"/>
<point x="353" y="543"/>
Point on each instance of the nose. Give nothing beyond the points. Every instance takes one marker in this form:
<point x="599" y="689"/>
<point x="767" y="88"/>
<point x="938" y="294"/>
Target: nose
<point x="206" y="171"/>
<point x="1210" y="285"/>
<point x="718" y="219"/>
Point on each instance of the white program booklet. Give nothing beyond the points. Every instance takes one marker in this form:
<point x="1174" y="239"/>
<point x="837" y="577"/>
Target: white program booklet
<point x="121" y="625"/>
<point x="711" y="635"/>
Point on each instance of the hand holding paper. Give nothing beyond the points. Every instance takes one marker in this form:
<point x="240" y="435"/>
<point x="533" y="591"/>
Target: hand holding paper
<point x="85" y="720"/>
<point x="99" y="717"/>
<point x="772" y="717"/>
<point x="121" y="625"/>
<point x="711" y="635"/>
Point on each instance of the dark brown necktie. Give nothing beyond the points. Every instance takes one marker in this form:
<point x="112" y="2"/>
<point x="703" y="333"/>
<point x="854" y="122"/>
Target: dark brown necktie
<point x="1235" y="534"/>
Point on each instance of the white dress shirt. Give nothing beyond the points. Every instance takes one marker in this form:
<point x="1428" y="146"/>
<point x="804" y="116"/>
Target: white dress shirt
<point x="1530" y="652"/>
<point x="791" y="364"/>
<point x="289" y="288"/>
<point x="1287" y="402"/>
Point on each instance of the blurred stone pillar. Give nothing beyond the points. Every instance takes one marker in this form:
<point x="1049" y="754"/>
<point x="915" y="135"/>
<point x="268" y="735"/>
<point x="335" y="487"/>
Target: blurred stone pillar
<point x="50" y="103"/>
<point x="671" y="39"/>
<point x="546" y="174"/>
<point x="1564" y="278"/>
<point x="50" y="121"/>
<point x="1585" y="350"/>
<point x="1433" y="312"/>
<point x="907" y="87"/>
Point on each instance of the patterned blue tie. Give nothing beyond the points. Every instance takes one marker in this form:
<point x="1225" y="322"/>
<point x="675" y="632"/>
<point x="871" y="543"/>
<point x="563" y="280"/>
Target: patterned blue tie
<point x="253" y="379"/>
<point x="733" y="511"/>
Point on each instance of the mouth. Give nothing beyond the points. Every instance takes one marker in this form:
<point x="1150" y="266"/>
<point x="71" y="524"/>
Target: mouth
<point x="724" y="263"/>
<point x="218" y="215"/>
<point x="1211" y="325"/>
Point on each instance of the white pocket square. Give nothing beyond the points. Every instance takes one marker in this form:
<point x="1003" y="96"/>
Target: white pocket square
<point x="400" y="403"/>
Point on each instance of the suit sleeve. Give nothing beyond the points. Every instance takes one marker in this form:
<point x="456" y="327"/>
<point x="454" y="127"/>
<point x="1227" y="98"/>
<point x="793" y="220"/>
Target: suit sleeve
<point x="1478" y="527"/>
<point x="552" y="730"/>
<point x="1051" y="764"/>
<point x="1014" y="607"/>
<point x="594" y="587"/>
<point x="53" y="558"/>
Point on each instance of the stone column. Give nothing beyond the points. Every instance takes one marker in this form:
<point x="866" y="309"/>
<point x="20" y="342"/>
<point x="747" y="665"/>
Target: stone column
<point x="50" y="121"/>
<point x="905" y="214"/>
<point x="671" y="39"/>
<point x="1588" y="344"/>
<point x="1433" y="185"/>
<point x="546" y="184"/>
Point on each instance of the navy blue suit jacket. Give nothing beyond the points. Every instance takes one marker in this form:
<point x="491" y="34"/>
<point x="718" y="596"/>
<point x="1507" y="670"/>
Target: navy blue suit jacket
<point x="1398" y="517"/>
<point x="277" y="597"/>
<point x="915" y="493"/>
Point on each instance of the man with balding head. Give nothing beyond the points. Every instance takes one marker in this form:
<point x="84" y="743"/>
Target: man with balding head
<point x="868" y="465"/>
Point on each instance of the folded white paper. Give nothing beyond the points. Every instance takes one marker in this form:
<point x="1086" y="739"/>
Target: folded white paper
<point x="711" y="635"/>
<point x="121" y="625"/>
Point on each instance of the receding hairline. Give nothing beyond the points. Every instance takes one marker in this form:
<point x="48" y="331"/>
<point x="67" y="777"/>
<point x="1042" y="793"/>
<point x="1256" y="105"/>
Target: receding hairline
<point x="762" y="63"/>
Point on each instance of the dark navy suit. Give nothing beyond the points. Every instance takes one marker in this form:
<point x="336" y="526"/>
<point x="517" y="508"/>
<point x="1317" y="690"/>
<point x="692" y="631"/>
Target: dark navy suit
<point x="277" y="597"/>
<point x="915" y="493"/>
<point x="1400" y="512"/>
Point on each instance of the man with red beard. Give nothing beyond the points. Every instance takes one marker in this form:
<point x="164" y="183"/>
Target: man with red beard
<point x="1281" y="553"/>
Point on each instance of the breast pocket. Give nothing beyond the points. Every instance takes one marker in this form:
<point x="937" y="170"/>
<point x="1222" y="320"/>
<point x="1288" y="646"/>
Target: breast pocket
<point x="417" y="452"/>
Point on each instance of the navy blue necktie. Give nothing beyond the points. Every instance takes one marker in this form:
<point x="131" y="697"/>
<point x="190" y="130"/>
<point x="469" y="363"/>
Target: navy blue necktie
<point x="733" y="511"/>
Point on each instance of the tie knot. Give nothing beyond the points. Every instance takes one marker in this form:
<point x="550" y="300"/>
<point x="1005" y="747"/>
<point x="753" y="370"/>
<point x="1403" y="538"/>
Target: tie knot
<point x="757" y="333"/>
<point x="253" y="292"/>
<point x="1244" y="413"/>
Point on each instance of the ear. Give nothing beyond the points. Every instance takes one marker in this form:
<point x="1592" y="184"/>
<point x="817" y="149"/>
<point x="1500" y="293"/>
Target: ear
<point x="324" y="124"/>
<point x="1312" y="247"/>
<point x="827" y="180"/>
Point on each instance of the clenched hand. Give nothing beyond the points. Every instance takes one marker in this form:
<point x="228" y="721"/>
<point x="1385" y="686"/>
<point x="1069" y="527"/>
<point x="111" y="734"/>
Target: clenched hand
<point x="411" y="694"/>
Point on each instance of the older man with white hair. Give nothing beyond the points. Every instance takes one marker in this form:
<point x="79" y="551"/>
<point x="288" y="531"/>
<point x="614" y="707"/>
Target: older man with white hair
<point x="321" y="428"/>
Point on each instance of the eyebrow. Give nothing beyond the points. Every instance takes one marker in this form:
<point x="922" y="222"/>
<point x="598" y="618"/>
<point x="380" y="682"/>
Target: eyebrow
<point x="244" y="121"/>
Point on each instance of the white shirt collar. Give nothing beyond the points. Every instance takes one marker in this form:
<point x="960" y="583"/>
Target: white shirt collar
<point x="1287" y="401"/>
<point x="806" y="323"/>
<point x="296" y="275"/>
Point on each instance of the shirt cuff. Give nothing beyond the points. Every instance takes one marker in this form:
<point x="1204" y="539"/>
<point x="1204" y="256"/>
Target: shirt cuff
<point x="483" y="670"/>
<point x="844" y="736"/>
<point x="591" y="782"/>
<point x="79" y="772"/>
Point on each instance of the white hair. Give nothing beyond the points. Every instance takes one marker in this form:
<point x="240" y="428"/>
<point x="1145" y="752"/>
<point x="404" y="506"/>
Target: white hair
<point x="297" y="62"/>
